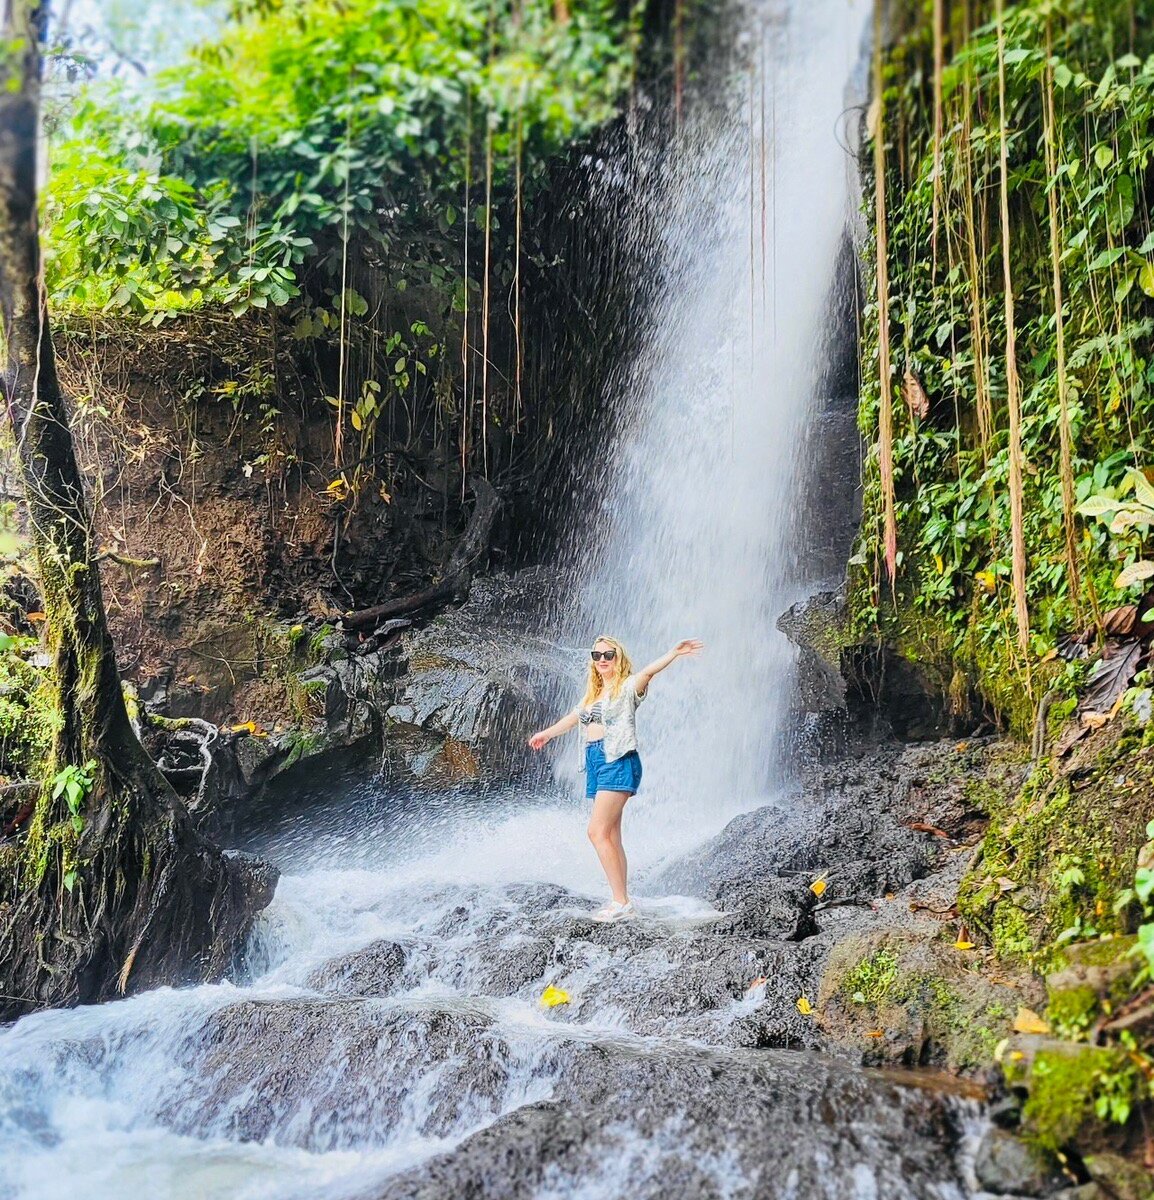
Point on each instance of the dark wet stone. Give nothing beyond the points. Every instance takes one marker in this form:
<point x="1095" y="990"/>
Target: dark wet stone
<point x="1006" y="1165"/>
<point x="691" y="1123"/>
<point x="331" y="1074"/>
<point x="769" y="908"/>
<point x="372" y="971"/>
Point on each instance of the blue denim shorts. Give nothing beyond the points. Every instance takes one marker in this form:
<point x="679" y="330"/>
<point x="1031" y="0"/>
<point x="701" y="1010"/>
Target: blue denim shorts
<point x="621" y="775"/>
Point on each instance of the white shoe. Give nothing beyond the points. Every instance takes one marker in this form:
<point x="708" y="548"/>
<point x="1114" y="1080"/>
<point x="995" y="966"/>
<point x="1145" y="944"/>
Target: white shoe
<point x="614" y="911"/>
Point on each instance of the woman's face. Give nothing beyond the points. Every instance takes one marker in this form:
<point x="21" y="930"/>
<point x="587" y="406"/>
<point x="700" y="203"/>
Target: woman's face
<point x="606" y="667"/>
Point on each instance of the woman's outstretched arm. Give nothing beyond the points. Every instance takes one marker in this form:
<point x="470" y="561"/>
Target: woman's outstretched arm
<point x="688" y="646"/>
<point x="567" y="722"/>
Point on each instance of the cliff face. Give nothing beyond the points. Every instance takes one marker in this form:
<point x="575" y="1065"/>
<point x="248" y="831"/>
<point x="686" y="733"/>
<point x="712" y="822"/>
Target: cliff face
<point x="1008" y="470"/>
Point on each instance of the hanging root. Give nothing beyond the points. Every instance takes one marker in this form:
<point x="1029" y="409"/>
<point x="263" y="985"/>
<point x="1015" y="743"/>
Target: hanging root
<point x="189" y="730"/>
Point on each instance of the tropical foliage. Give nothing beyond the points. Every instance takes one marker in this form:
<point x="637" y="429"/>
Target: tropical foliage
<point x="1052" y="100"/>
<point x="388" y="129"/>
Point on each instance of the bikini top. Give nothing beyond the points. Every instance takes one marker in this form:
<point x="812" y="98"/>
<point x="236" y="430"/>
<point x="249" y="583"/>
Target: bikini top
<point x="619" y="716"/>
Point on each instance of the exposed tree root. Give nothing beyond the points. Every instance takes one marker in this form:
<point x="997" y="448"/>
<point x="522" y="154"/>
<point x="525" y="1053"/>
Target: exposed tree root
<point x="153" y="903"/>
<point x="458" y="573"/>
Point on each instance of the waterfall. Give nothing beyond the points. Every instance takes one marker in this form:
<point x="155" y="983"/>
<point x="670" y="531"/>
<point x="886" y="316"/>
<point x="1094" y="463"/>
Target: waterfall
<point x="691" y="522"/>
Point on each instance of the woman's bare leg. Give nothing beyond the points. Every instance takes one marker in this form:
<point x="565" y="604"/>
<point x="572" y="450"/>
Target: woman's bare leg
<point x="605" y="834"/>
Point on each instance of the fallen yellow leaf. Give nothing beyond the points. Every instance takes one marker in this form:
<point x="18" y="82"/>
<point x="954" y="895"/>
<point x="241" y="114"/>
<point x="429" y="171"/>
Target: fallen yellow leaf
<point x="35" y="616"/>
<point x="963" y="945"/>
<point x="876" y="1033"/>
<point x="1028" y="1021"/>
<point x="803" y="1006"/>
<point x="818" y="886"/>
<point x="988" y="580"/>
<point x="552" y="996"/>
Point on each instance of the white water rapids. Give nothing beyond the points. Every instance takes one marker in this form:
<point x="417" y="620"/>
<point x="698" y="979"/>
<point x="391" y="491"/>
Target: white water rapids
<point x="471" y="911"/>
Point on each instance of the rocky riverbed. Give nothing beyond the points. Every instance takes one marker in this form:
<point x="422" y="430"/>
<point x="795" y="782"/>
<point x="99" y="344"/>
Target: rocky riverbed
<point x="390" y="1038"/>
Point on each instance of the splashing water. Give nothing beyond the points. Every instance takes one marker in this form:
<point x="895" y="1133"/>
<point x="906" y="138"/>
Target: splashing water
<point x="696" y="500"/>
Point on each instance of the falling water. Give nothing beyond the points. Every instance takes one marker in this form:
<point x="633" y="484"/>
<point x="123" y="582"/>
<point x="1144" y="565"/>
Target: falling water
<point x="698" y="496"/>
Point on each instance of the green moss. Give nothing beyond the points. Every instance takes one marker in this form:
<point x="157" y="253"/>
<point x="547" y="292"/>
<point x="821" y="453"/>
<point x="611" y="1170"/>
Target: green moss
<point x="1072" y="1086"/>
<point x="301" y="744"/>
<point x="963" y="1024"/>
<point x="318" y="640"/>
<point x="872" y="980"/>
<point x="1057" y="854"/>
<point x="1072" y="1010"/>
<point x="29" y="718"/>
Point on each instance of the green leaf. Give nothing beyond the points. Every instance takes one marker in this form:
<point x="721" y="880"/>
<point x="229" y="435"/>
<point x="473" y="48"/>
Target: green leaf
<point x="69" y="880"/>
<point x="1103" y="156"/>
<point x="1107" y="258"/>
<point x="1146" y="943"/>
<point x="1136" y="572"/>
<point x="1146" y="279"/>
<point x="1143" y="488"/>
<point x="1097" y="506"/>
<point x="1120" y="205"/>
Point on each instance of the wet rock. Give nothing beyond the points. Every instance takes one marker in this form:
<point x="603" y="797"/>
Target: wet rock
<point x="690" y="1122"/>
<point x="373" y="971"/>
<point x="769" y="908"/>
<point x="1119" y="1177"/>
<point x="818" y="626"/>
<point x="330" y="1074"/>
<point x="1006" y="1165"/>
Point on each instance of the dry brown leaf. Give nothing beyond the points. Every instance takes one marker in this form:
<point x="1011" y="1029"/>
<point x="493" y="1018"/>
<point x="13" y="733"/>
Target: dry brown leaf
<point x="1119" y="622"/>
<point x="1028" y="1021"/>
<point x="915" y="395"/>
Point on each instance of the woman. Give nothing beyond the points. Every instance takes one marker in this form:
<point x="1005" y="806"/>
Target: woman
<point x="607" y="715"/>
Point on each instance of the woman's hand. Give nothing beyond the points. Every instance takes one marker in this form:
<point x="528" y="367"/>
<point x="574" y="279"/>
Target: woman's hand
<point x="689" y="646"/>
<point x="538" y="740"/>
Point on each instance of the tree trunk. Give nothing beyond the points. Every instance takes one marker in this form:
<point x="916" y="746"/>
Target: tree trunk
<point x="115" y="888"/>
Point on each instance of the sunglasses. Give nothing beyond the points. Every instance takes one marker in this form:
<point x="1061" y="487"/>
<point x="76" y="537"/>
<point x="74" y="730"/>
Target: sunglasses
<point x="607" y="655"/>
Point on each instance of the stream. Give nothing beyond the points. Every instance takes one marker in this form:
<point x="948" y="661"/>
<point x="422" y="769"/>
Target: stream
<point x="387" y="1038"/>
<point x="390" y="1041"/>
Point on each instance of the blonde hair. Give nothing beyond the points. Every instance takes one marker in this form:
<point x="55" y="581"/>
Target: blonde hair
<point x="624" y="670"/>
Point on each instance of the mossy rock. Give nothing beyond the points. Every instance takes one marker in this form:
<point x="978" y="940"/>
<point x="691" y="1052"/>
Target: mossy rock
<point x="1121" y="1178"/>
<point x="1072" y="1089"/>
<point x="903" y="997"/>
<point x="1056" y="855"/>
<point x="1095" y="976"/>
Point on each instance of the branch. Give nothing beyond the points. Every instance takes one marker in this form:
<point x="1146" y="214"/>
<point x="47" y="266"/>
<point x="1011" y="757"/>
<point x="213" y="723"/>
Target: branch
<point x="125" y="561"/>
<point x="457" y="575"/>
